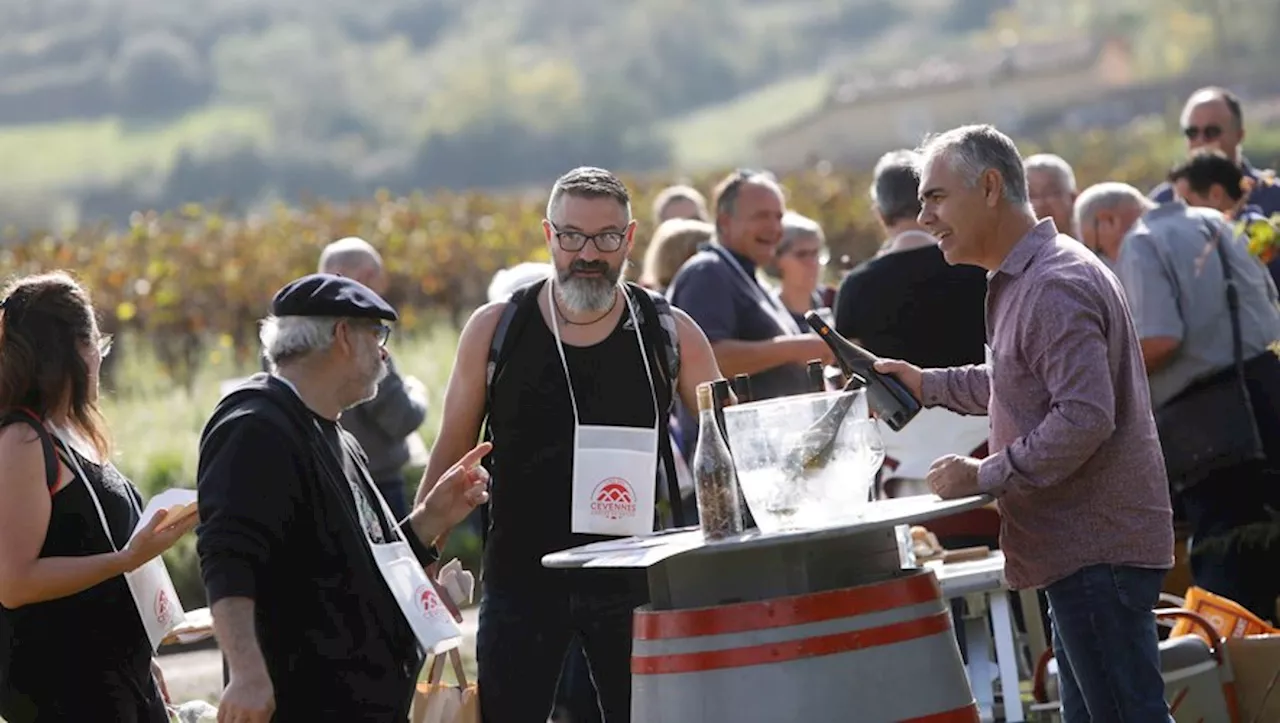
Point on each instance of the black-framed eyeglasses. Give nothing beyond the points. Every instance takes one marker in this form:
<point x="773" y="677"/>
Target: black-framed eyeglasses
<point x="574" y="241"/>
<point x="1209" y="132"/>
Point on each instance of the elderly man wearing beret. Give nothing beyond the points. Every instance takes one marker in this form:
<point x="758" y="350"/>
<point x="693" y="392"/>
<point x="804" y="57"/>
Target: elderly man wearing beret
<point x="310" y="579"/>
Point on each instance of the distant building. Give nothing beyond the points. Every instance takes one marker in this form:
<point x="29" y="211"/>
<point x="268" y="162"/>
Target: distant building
<point x="867" y="115"/>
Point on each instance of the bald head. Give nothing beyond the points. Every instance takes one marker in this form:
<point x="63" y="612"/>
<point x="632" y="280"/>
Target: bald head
<point x="1105" y="212"/>
<point x="354" y="258"/>
<point x="1213" y="118"/>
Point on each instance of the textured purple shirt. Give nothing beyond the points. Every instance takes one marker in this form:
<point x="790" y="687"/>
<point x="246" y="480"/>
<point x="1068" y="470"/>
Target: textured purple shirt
<point x="1075" y="461"/>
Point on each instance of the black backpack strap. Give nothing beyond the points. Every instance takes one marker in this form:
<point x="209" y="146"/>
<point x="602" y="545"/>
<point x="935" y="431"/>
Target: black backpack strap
<point x="522" y="303"/>
<point x="23" y="416"/>
<point x="656" y="315"/>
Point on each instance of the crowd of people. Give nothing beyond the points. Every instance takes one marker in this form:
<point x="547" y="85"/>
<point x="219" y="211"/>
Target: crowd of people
<point x="1088" y="326"/>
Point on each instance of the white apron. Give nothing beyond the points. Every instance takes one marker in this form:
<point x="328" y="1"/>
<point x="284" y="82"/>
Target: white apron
<point x="783" y="317"/>
<point x="153" y="594"/>
<point x="614" y="468"/>
<point x="419" y="600"/>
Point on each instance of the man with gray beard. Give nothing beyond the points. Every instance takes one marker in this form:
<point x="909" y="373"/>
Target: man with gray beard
<point x="576" y="402"/>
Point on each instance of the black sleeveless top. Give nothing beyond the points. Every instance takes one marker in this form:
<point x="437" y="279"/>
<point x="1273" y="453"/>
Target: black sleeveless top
<point x="97" y="629"/>
<point x="531" y="417"/>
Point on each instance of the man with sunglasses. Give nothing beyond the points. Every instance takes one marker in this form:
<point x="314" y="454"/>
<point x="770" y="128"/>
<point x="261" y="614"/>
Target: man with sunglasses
<point x="576" y="403"/>
<point x="750" y="330"/>
<point x="387" y="425"/>
<point x="1213" y="118"/>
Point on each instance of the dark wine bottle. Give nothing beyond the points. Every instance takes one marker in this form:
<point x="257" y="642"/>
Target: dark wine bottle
<point x="887" y="397"/>
<point x="742" y="388"/>
<point x="720" y="398"/>
<point x="714" y="476"/>
<point x="813" y="450"/>
<point x="817" y="381"/>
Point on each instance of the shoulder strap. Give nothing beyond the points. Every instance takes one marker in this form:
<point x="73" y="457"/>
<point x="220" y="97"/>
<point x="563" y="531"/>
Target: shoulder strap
<point x="1233" y="298"/>
<point x="521" y="303"/>
<point x="655" y="313"/>
<point x="26" y="416"/>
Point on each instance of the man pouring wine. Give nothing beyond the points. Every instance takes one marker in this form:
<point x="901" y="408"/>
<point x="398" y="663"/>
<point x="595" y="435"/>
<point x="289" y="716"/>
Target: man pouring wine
<point x="1075" y="462"/>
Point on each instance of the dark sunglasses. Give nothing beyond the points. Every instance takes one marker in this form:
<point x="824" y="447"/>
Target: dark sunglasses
<point x="1209" y="132"/>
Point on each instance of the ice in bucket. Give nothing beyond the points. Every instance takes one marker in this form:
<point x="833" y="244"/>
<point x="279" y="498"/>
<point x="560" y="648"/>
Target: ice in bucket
<point x="761" y="434"/>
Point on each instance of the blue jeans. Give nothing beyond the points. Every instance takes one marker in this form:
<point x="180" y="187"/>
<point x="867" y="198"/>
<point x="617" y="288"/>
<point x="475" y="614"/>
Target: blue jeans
<point x="525" y="634"/>
<point x="1105" y="642"/>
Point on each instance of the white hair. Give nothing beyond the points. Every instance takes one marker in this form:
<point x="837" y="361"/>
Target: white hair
<point x="285" y="337"/>
<point x="1104" y="197"/>
<point x="975" y="149"/>
<point x="1056" y="165"/>
<point x="796" y="226"/>
<point x="508" y="280"/>
<point x="348" y="254"/>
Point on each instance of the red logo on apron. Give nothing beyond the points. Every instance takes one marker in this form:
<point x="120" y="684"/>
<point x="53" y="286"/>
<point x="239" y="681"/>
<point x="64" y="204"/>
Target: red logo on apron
<point x="428" y="600"/>
<point x="613" y="499"/>
<point x="164" y="608"/>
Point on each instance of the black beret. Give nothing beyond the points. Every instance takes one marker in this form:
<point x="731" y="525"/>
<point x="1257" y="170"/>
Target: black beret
<point x="330" y="295"/>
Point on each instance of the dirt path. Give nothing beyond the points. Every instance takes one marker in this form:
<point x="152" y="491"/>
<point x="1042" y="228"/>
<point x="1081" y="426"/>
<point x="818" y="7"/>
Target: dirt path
<point x="198" y="673"/>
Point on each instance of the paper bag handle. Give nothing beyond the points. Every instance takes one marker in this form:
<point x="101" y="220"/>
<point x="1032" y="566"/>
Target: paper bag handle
<point x="436" y="674"/>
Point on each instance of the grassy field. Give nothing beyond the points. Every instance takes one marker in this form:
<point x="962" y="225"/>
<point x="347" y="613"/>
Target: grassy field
<point x="724" y="135"/>
<point x="51" y="154"/>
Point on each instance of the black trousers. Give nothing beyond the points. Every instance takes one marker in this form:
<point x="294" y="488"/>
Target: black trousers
<point x="124" y="693"/>
<point x="1235" y="536"/>
<point x="525" y="634"/>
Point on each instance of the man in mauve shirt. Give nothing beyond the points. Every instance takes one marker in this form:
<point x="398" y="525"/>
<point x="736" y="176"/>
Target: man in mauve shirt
<point x="1075" y="461"/>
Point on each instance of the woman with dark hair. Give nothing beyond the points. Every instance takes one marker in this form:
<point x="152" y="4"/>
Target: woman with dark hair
<point x="73" y="643"/>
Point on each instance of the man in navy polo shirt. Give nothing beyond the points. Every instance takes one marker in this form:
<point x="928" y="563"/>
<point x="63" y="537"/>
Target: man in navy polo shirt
<point x="1213" y="118"/>
<point x="750" y="332"/>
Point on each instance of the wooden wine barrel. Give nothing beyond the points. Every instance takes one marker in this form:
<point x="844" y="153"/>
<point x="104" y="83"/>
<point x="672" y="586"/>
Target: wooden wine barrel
<point x="874" y="653"/>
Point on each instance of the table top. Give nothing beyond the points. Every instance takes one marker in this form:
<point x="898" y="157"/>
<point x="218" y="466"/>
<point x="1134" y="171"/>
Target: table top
<point x="971" y="576"/>
<point x="646" y="551"/>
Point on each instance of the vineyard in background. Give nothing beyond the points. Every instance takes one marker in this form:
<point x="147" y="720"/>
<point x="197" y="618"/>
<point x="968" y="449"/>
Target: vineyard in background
<point x="192" y="282"/>
<point x="185" y="289"/>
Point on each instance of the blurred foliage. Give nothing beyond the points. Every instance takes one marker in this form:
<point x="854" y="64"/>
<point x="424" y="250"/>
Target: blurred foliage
<point x="350" y="95"/>
<point x="194" y="280"/>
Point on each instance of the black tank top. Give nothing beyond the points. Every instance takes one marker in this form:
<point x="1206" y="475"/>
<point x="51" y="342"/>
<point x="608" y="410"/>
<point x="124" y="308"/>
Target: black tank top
<point x="96" y="629"/>
<point x="531" y="417"/>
